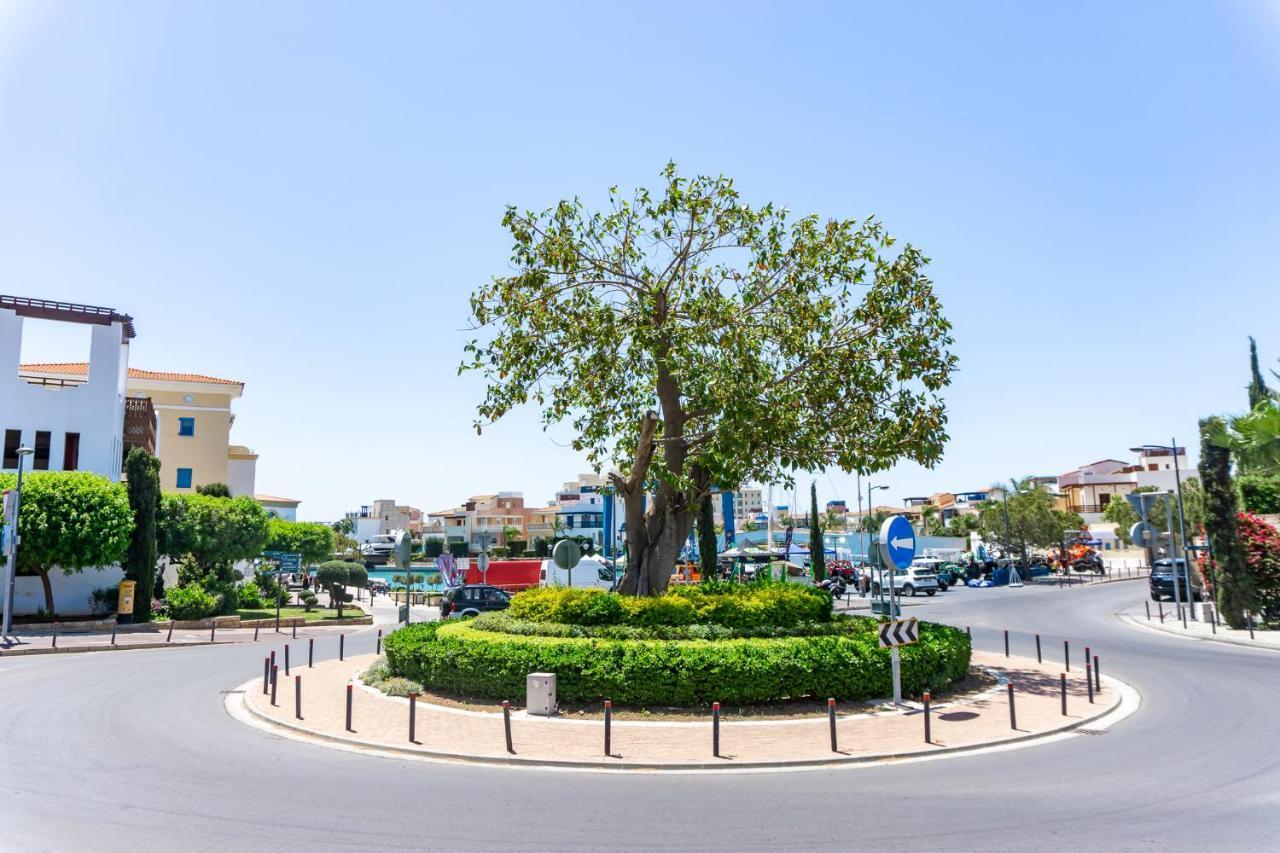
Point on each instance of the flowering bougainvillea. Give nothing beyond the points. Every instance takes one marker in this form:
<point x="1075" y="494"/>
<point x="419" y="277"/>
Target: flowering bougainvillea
<point x="1261" y="544"/>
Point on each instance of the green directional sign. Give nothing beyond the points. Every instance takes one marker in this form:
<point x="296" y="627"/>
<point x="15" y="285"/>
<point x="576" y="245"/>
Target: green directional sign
<point x="285" y="561"/>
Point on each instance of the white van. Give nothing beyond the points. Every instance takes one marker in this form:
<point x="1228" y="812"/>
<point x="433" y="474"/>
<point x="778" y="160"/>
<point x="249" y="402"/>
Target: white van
<point x="589" y="573"/>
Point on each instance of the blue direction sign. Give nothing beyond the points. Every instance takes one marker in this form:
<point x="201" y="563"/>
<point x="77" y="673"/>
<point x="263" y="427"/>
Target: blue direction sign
<point x="897" y="542"/>
<point x="287" y="562"/>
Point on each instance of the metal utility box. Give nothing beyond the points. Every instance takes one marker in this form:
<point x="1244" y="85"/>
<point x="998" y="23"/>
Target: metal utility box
<point x="540" y="690"/>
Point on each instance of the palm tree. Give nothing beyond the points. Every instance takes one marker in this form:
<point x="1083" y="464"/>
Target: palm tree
<point x="1254" y="439"/>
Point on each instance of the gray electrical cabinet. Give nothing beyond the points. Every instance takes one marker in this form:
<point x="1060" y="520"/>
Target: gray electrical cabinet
<point x="540" y="689"/>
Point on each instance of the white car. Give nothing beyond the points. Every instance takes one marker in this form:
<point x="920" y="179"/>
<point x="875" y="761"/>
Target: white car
<point x="589" y="572"/>
<point x="908" y="581"/>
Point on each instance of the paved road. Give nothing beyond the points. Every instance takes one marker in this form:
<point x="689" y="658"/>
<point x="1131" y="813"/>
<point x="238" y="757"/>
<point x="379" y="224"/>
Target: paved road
<point x="134" y="751"/>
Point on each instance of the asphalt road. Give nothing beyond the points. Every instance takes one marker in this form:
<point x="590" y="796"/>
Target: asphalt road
<point x="134" y="751"/>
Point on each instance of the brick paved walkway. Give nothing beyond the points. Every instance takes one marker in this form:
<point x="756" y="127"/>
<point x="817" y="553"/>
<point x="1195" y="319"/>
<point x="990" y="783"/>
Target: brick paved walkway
<point x="381" y="721"/>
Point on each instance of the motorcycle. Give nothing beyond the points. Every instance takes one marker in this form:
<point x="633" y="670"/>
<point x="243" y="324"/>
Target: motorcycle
<point x="834" y="585"/>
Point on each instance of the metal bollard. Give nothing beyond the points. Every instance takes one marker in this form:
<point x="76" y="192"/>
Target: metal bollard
<point x="311" y="652"/>
<point x="286" y="660"/>
<point x="608" y="728"/>
<point x="1066" y="654"/>
<point x="413" y="718"/>
<point x="831" y="720"/>
<point x="1039" y="658"/>
<point x="342" y="639"/>
<point x="1087" y="655"/>
<point x="378" y="650"/>
<point x="506" y="723"/>
<point x="113" y="633"/>
<point x="349" y="706"/>
<point x="1088" y="679"/>
<point x="1213" y="620"/>
<point x="1013" y="714"/>
<point x="295" y="629"/>
<point x="1250" y="620"/>
<point x="169" y="638"/>
<point x="928" y="733"/>
<point x="55" y="636"/>
<point x="277" y="617"/>
<point x="266" y="675"/>
<point x="1063" y="676"/>
<point x="1006" y="642"/>
<point x="1147" y="604"/>
<point x="1160" y="607"/>
<point x="275" y="673"/>
<point x="1097" y="676"/>
<point x="255" y="633"/>
<point x="715" y="729"/>
<point x="213" y="630"/>
<point x="297" y="696"/>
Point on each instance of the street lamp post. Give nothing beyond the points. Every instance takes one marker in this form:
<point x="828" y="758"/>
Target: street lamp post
<point x="875" y="560"/>
<point x="1182" y="524"/>
<point x="13" y="543"/>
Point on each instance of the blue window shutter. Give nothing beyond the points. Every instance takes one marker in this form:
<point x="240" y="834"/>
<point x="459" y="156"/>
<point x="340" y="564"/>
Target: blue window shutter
<point x="184" y="478"/>
<point x="186" y="426"/>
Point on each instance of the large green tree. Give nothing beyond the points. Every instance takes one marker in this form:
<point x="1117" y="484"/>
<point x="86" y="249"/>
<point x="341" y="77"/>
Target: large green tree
<point x="692" y="339"/>
<point x="1253" y="438"/>
<point x="70" y="521"/>
<point x="1032" y="521"/>
<point x="315" y="542"/>
<point x="817" y="548"/>
<point x="1234" y="591"/>
<point x="207" y="535"/>
<point x="1258" y="390"/>
<point x="142" y="471"/>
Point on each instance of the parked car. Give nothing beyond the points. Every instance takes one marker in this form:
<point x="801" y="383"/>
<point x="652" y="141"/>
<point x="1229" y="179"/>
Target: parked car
<point x="590" y="572"/>
<point x="947" y="573"/>
<point x="909" y="581"/>
<point x="472" y="600"/>
<point x="1161" y="580"/>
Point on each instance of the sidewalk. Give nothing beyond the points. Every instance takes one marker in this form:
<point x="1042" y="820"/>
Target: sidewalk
<point x="69" y="643"/>
<point x="381" y="723"/>
<point x="1199" y="629"/>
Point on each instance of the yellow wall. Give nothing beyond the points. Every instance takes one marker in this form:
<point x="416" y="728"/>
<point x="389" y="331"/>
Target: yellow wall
<point x="205" y="453"/>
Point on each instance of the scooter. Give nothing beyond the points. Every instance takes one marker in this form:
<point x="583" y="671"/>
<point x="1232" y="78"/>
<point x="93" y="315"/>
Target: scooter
<point x="835" y="586"/>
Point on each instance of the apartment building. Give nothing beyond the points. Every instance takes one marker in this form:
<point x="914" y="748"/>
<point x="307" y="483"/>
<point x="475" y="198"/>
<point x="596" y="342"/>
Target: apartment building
<point x="482" y="520"/>
<point x="73" y="421"/>
<point x="1090" y="488"/>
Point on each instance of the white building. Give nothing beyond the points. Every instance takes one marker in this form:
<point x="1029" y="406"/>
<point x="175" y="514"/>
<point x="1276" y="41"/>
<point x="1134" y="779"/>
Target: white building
<point x="71" y="425"/>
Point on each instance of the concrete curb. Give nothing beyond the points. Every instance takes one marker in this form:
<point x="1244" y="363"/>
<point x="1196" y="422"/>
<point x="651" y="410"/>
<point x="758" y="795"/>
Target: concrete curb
<point x="1135" y="621"/>
<point x="1126" y="701"/>
<point x="71" y="650"/>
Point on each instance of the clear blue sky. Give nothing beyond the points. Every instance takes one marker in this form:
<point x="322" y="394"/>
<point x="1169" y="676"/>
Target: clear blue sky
<point x="302" y="195"/>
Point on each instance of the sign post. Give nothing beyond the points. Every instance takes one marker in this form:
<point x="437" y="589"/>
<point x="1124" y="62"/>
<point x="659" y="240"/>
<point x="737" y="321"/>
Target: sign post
<point x="902" y="632"/>
<point x="897" y="550"/>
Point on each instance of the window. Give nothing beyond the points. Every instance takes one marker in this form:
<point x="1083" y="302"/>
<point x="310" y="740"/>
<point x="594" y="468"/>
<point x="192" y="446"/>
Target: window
<point x="71" y="452"/>
<point x="184" y="478"/>
<point x="186" y="426"/>
<point x="40" y="462"/>
<point x="12" y="441"/>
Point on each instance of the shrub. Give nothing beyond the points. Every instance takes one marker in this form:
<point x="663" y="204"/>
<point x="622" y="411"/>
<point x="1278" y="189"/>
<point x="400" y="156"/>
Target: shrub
<point x="190" y="602"/>
<point x="742" y="607"/>
<point x="251" y="597"/>
<point x="399" y="687"/>
<point x="459" y="549"/>
<point x="504" y="623"/>
<point x="308" y="599"/>
<point x="462" y="659"/>
<point x="433" y="547"/>
<point x="1260" y="493"/>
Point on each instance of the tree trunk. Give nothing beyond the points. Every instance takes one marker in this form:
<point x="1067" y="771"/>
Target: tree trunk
<point x="48" y="591"/>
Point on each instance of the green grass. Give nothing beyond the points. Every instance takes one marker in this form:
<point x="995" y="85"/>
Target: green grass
<point x="295" y="612"/>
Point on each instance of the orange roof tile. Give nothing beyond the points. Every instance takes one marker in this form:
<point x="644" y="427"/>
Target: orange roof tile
<point x="81" y="368"/>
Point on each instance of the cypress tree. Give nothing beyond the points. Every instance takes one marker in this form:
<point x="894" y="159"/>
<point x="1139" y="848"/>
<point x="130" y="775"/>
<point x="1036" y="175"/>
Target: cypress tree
<point x="143" y="473"/>
<point x="1258" y="390"/>
<point x="707" y="539"/>
<point x="1234" y="588"/>
<point x="817" y="551"/>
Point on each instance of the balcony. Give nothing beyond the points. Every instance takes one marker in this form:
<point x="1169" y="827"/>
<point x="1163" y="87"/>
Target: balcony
<point x="139" y="424"/>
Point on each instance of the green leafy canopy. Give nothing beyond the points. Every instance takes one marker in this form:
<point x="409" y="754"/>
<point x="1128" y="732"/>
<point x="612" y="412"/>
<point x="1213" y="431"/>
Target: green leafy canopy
<point x="769" y="344"/>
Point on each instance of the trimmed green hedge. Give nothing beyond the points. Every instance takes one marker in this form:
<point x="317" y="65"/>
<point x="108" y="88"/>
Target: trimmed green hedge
<point x="741" y="607"/>
<point x="502" y="622"/>
<point x="459" y="658"/>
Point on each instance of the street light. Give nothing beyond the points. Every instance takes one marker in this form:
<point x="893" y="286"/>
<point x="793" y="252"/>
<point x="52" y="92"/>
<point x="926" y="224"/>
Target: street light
<point x="12" y="561"/>
<point x="1182" y="524"/>
<point x="875" y="560"/>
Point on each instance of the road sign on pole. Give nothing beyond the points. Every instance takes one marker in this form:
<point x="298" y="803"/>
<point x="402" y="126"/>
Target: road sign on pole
<point x="897" y="541"/>
<point x="893" y="634"/>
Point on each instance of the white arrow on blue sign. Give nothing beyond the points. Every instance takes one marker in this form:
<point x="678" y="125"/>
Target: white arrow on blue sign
<point x="897" y="542"/>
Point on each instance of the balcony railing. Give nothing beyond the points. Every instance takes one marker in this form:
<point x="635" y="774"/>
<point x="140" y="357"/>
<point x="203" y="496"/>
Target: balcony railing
<point x="140" y="423"/>
<point x="1083" y="508"/>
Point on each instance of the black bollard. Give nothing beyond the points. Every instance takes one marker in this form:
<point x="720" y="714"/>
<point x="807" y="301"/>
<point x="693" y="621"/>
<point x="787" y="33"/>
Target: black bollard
<point x="831" y="720"/>
<point x="311" y="652"/>
<point x="1097" y="676"/>
<point x="1006" y="642"/>
<point x="1147" y="604"/>
<point x="286" y="660"/>
<point x="255" y="633"/>
<point x="342" y="640"/>
<point x="1250" y="618"/>
<point x="295" y="629"/>
<point x="1087" y="655"/>
<point x="55" y="636"/>
<point x="169" y="638"/>
<point x="113" y="633"/>
<point x="213" y="630"/>
<point x="1039" y="658"/>
<point x="608" y="728"/>
<point x="413" y="717"/>
<point x="275" y="673"/>
<point x="1063" y="676"/>
<point x="378" y="650"/>
<point x="715" y="729"/>
<point x="1013" y="714"/>
<point x="1213" y="620"/>
<point x="1160" y="607"/>
<point x="928" y="734"/>
<point x="506" y="724"/>
<point x="1088" y="679"/>
<point x="266" y="675"/>
<point x="297" y="696"/>
<point x="349" y="706"/>
<point x="1066" y="654"/>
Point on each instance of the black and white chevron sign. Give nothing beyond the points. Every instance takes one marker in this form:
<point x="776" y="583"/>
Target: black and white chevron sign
<point x="900" y="633"/>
